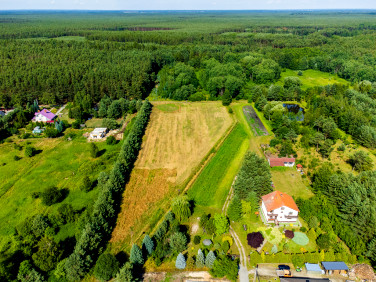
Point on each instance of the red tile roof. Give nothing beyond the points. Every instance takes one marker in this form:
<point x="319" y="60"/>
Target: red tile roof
<point x="278" y="199"/>
<point x="280" y="161"/>
<point x="299" y="166"/>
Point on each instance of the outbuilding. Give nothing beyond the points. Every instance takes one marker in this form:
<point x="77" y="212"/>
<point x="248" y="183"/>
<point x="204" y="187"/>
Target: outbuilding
<point x="98" y="133"/>
<point x="314" y="268"/>
<point x="335" y="267"/>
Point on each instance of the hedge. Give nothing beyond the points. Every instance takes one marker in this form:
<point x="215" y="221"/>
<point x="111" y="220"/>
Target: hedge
<point x="316" y="257"/>
<point x="103" y="218"/>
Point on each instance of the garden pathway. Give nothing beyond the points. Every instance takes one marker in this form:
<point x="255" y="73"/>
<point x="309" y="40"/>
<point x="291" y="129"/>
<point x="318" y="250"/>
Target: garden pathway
<point x="243" y="271"/>
<point x="61" y="109"/>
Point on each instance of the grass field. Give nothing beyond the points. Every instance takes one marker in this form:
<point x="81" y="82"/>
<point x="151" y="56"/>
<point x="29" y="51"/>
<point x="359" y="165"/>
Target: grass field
<point x="177" y="139"/>
<point x="59" y="163"/>
<point x="312" y="78"/>
<point x="212" y="186"/>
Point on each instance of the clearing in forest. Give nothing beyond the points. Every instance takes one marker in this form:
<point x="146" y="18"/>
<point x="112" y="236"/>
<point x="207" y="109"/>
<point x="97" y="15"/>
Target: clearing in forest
<point x="177" y="139"/>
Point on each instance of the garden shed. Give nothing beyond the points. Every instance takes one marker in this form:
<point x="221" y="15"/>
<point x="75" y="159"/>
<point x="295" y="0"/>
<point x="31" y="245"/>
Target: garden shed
<point x="335" y="267"/>
<point x="314" y="268"/>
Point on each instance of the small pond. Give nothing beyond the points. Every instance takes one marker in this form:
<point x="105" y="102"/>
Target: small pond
<point x="295" y="111"/>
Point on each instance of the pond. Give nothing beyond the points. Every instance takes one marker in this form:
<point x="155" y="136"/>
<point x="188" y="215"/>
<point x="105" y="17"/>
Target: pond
<point x="295" y="111"/>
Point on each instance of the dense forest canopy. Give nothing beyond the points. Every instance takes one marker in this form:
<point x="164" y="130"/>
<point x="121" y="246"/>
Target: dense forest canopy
<point x="52" y="56"/>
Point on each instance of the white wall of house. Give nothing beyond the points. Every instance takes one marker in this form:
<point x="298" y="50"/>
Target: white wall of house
<point x="41" y="118"/>
<point x="289" y="164"/>
<point x="282" y="214"/>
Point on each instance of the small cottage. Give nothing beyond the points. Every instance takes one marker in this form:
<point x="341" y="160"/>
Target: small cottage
<point x="299" y="167"/>
<point x="278" y="207"/>
<point x="288" y="162"/>
<point x="335" y="267"/>
<point x="98" y="133"/>
<point x="44" y="116"/>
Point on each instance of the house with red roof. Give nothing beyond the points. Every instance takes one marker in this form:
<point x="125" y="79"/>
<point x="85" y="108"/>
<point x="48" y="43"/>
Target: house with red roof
<point x="44" y="116"/>
<point x="278" y="207"/>
<point x="289" y="162"/>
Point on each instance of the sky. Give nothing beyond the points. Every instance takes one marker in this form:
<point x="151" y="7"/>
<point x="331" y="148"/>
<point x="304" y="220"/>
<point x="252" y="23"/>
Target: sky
<point x="185" y="4"/>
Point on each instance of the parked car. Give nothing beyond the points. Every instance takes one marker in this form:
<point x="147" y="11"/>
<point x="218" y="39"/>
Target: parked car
<point x="283" y="267"/>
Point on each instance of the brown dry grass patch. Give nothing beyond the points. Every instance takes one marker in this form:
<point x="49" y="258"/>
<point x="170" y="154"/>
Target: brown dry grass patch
<point x="178" y="137"/>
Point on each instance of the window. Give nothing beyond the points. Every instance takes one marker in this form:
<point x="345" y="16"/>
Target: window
<point x="282" y="208"/>
<point x="290" y="213"/>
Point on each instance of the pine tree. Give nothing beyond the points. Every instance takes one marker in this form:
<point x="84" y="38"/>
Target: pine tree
<point x="200" y="259"/>
<point x="234" y="211"/>
<point x="190" y="262"/>
<point x="148" y="244"/>
<point x="210" y="259"/>
<point x="125" y="273"/>
<point x="180" y="262"/>
<point x="136" y="255"/>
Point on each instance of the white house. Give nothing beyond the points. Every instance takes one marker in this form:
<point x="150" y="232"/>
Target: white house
<point x="290" y="162"/>
<point x="278" y="207"/>
<point x="44" y="116"/>
<point x="98" y="133"/>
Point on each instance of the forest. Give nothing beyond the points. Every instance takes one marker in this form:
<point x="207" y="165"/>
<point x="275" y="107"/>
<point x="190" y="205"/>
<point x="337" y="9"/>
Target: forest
<point x="104" y="64"/>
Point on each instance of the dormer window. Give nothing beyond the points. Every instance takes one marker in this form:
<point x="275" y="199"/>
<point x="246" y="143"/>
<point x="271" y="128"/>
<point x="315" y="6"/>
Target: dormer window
<point x="282" y="208"/>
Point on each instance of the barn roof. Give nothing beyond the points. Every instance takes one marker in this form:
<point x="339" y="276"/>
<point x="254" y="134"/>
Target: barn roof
<point x="280" y="161"/>
<point x="334" y="265"/>
<point x="278" y="199"/>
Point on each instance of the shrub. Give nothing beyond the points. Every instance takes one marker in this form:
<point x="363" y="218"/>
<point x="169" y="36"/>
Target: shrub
<point x="303" y="229"/>
<point x="300" y="73"/>
<point x="111" y="140"/>
<point x="255" y="239"/>
<point x="52" y="195"/>
<point x="298" y="260"/>
<point x="181" y="208"/>
<point x="86" y="184"/>
<point x="109" y="123"/>
<point x="230" y="111"/>
<point x="106" y="267"/>
<point x="17" y="147"/>
<point x="225" y="267"/>
<point x="221" y="224"/>
<point x="76" y="124"/>
<point x="300" y="238"/>
<point x="324" y="242"/>
<point x="225" y="246"/>
<point x="16" y="158"/>
<point x="30" y="151"/>
<point x="341" y="148"/>
<point x="51" y="133"/>
<point x="93" y="150"/>
<point x="289" y="234"/>
<point x="197" y="240"/>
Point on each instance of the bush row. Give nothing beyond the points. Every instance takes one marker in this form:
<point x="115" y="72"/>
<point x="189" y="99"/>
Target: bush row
<point x="302" y="258"/>
<point x="103" y="218"/>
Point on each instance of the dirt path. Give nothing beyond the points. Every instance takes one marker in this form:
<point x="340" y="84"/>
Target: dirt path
<point x="243" y="271"/>
<point x="61" y="109"/>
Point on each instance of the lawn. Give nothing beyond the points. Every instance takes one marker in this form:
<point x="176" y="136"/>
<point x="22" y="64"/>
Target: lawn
<point x="312" y="78"/>
<point x="178" y="138"/>
<point x="59" y="163"/>
<point x="289" y="180"/>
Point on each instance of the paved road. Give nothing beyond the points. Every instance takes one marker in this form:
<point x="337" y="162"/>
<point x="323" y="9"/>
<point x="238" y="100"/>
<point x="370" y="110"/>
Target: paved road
<point x="243" y="271"/>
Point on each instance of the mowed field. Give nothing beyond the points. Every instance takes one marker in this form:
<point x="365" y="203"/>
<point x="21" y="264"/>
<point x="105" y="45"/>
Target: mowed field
<point x="177" y="139"/>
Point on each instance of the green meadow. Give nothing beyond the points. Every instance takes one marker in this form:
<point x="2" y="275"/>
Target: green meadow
<point x="312" y="78"/>
<point x="59" y="163"/>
